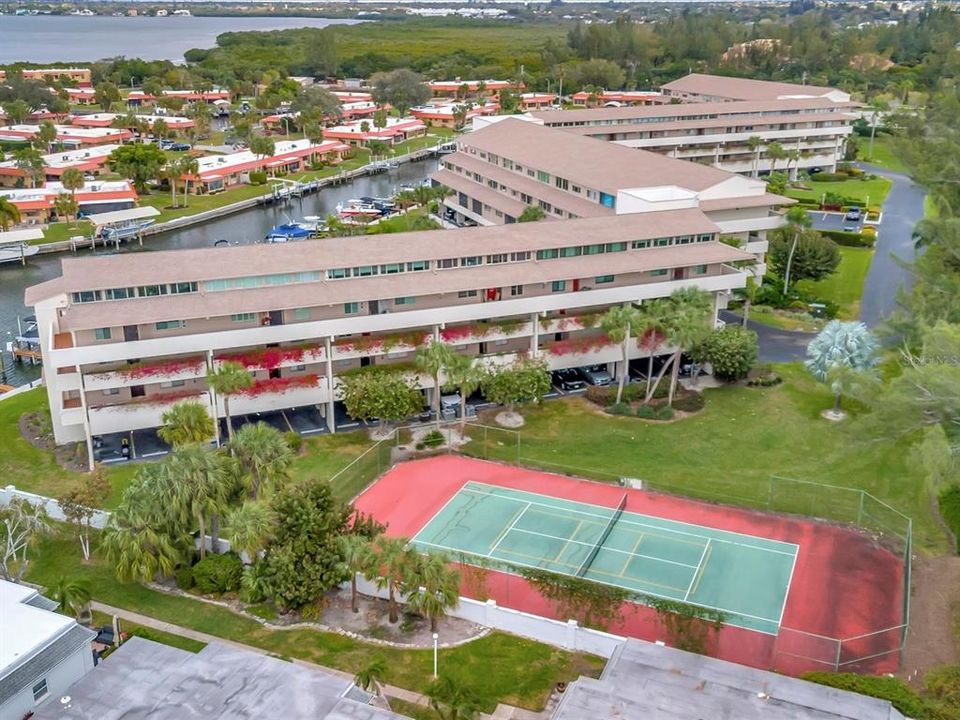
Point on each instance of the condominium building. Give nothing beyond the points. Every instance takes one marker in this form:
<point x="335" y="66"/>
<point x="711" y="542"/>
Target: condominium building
<point x="508" y="166"/>
<point x="457" y="87"/>
<point x="698" y="87"/>
<point x="81" y="76"/>
<point x="360" y="132"/>
<point x="90" y="161"/>
<point x="721" y="133"/>
<point x="38" y="205"/>
<point x="107" y="119"/>
<point x="125" y="336"/>
<point x="68" y="136"/>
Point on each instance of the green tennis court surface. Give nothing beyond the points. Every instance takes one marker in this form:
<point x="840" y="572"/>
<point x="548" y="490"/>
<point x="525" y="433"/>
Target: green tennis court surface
<point x="744" y="576"/>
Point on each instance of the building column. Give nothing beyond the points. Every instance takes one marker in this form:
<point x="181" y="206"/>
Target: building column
<point x="86" y="419"/>
<point x="212" y="399"/>
<point x="331" y="414"/>
<point x="535" y="336"/>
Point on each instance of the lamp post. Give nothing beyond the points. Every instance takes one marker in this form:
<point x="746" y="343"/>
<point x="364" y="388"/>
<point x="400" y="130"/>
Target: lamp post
<point x="435" y="653"/>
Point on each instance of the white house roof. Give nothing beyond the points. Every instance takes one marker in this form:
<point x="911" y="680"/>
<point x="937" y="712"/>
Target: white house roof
<point x="24" y="628"/>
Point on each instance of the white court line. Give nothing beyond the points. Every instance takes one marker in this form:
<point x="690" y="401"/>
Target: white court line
<point x="444" y="507"/>
<point x="621" y="587"/>
<point x="625" y="520"/>
<point x="606" y="549"/>
<point x="697" y="573"/>
<point x="507" y="531"/>
<point x="783" y="606"/>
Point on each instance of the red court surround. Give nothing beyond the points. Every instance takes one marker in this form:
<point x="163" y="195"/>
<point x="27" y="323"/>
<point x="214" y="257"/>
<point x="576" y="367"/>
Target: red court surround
<point x="844" y="584"/>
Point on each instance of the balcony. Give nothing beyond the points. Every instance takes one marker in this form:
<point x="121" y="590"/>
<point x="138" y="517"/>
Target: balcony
<point x="272" y="358"/>
<point x="731" y="227"/>
<point x="486" y="331"/>
<point x="369" y="345"/>
<point x="146" y="412"/>
<point x="278" y="394"/>
<point x="147" y="373"/>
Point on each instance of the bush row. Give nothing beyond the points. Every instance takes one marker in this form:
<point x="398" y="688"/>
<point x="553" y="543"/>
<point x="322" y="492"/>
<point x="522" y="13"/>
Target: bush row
<point x="943" y="688"/>
<point x="851" y="239"/>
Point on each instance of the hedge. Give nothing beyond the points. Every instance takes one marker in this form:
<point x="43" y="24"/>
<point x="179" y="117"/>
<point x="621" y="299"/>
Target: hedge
<point x="850" y="239"/>
<point x="950" y="511"/>
<point x="218" y="574"/>
<point x="904" y="698"/>
<point x="829" y="177"/>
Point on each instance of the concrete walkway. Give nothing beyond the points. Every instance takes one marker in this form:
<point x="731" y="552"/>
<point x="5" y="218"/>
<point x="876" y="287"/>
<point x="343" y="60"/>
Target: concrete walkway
<point x="502" y="712"/>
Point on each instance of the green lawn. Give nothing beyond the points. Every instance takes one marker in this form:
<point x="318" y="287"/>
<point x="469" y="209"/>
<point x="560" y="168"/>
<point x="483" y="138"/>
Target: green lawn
<point x="884" y="154"/>
<point x="728" y="451"/>
<point x="845" y="285"/>
<point x="131" y="628"/>
<point x="865" y="192"/>
<point x="930" y="209"/>
<point x="784" y="319"/>
<point x="498" y="667"/>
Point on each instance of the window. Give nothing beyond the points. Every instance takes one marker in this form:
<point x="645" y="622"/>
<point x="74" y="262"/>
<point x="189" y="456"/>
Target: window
<point x="337" y="273"/>
<point x="447" y="263"/>
<point x="658" y="273"/>
<point x="40" y="690"/>
<point x="112" y="391"/>
<point x="243" y="317"/>
<point x="704" y="238"/>
<point x="684" y="240"/>
<point x="301" y="314"/>
<point x="597" y="249"/>
<point x="640" y="244"/>
<point x="173" y="383"/>
<point x="661" y="242"/>
<point x="603" y="279"/>
<point x="616" y="247"/>
<point x="570" y="252"/>
<point x="498" y="258"/>
<point x="543" y="177"/>
<point x="607" y="200"/>
<point x="418" y="265"/>
<point x="559" y="285"/>
<point x="471" y="261"/>
<point x="119" y="293"/>
<point x="351" y="308"/>
<point x="561" y="183"/>
<point x="576" y="189"/>
<point x="467" y="293"/>
<point x="391" y="268"/>
<point x="409" y="300"/>
<point x="520" y="256"/>
<point x="85" y="296"/>
<point x="151" y="290"/>
<point x="364" y="271"/>
<point x="181" y="288"/>
<point x="170" y="324"/>
<point x="547" y="254"/>
<point x="700" y="269"/>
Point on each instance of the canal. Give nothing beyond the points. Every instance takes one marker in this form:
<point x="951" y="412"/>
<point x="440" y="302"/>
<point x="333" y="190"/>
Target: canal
<point x="244" y="227"/>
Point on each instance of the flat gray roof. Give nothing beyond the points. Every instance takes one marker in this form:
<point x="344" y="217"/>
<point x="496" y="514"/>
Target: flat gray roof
<point x="143" y="679"/>
<point x="645" y="680"/>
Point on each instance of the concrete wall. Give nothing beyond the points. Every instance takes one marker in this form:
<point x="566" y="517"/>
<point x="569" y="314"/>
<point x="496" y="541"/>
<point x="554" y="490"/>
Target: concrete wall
<point x="9" y="493"/>
<point x="59" y="679"/>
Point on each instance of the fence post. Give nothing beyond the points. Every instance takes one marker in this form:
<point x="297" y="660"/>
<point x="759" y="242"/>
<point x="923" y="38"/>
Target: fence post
<point x="770" y="492"/>
<point x="860" y="510"/>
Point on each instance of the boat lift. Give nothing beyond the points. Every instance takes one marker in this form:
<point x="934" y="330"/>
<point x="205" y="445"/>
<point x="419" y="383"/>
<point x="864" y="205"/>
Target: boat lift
<point x="14" y="244"/>
<point x="120" y="225"/>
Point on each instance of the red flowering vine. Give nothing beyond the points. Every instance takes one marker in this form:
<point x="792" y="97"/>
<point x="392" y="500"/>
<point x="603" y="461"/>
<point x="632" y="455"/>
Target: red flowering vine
<point x="272" y="358"/>
<point x="577" y="346"/>
<point x="279" y="385"/>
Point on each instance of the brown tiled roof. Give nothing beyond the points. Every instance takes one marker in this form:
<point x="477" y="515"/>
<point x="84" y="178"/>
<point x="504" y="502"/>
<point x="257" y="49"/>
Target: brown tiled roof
<point x="334" y="292"/>
<point x="476" y="191"/>
<point x="750" y="201"/>
<point x="743" y="88"/>
<point x="722" y="124"/>
<point x="717" y="109"/>
<point x="588" y="162"/>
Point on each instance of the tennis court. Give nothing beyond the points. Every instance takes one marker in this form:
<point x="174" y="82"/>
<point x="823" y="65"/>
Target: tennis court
<point x="744" y="576"/>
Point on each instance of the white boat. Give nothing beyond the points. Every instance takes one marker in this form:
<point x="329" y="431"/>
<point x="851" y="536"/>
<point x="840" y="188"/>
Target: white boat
<point x="17" y="252"/>
<point x="125" y="230"/>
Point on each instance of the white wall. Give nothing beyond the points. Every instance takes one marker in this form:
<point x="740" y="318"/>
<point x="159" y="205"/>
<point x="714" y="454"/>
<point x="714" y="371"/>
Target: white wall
<point x="59" y="679"/>
<point x="99" y="519"/>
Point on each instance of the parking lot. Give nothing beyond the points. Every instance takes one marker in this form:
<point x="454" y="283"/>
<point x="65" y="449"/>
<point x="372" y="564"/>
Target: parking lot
<point x="835" y="221"/>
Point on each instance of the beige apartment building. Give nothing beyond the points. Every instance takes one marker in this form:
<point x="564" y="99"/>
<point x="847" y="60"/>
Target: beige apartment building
<point x="698" y="87"/>
<point x="507" y="166"/>
<point x="721" y="133"/>
<point x="126" y="336"/>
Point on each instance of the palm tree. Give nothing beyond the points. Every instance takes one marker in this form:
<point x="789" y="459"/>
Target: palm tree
<point x="877" y="106"/>
<point x="263" y="453"/>
<point x="65" y="206"/>
<point x="437" y="587"/>
<point x="173" y="171"/>
<point x="797" y="219"/>
<point x="71" y="594"/>
<point x="791" y="157"/>
<point x="390" y="568"/>
<point x="200" y="488"/>
<point x="370" y="676"/>
<point x="650" y="327"/>
<point x="72" y="180"/>
<point x="453" y="701"/>
<point x="620" y="323"/>
<point x="775" y="152"/>
<point x="9" y="214"/>
<point x="465" y="375"/>
<point x="249" y="528"/>
<point x="358" y="557"/>
<point x="31" y="162"/>
<point x="755" y="142"/>
<point x="685" y="323"/>
<point x="433" y="359"/>
<point x="188" y="166"/>
<point x="749" y="296"/>
<point x="229" y="379"/>
<point x="185" y="423"/>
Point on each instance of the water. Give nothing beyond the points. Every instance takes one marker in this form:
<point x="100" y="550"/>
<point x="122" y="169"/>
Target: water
<point x="70" y="38"/>
<point x="245" y="227"/>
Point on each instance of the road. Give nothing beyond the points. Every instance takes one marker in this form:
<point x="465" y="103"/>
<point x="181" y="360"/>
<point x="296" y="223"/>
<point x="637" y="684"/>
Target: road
<point x="902" y="210"/>
<point x="775" y="345"/>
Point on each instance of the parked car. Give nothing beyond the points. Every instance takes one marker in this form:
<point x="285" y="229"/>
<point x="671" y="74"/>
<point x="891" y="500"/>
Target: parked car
<point x="814" y="170"/>
<point x="688" y="367"/>
<point x="853" y="214"/>
<point x="179" y="147"/>
<point x="595" y="375"/>
<point x="568" y="380"/>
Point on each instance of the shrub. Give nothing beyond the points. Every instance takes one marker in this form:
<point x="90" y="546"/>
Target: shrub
<point x="218" y="574"/>
<point x="950" y="510"/>
<point x="902" y="696"/>
<point x="647" y="412"/>
<point x="766" y="380"/>
<point x="634" y="391"/>
<point x="689" y="402"/>
<point x="665" y="413"/>
<point x="258" y="177"/>
<point x="433" y="439"/>
<point x="732" y="351"/>
<point x="850" y="239"/>
<point x="184" y="577"/>
<point x="294" y="441"/>
<point x="620" y="409"/>
<point x="601" y="395"/>
<point x="943" y="683"/>
<point x="828" y="177"/>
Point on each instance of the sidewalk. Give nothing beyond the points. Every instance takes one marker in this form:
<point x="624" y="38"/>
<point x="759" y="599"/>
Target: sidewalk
<point x="502" y="712"/>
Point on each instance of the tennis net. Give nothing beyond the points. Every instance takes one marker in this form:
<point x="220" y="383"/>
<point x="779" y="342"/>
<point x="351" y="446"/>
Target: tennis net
<point x="588" y="561"/>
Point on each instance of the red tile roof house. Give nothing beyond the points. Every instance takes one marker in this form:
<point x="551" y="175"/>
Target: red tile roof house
<point x="36" y="204"/>
<point x="218" y="172"/>
<point x="348" y="111"/>
<point x="450" y="88"/>
<point x="443" y="115"/>
<point x="622" y="98"/>
<point x="396" y="131"/>
<point x="68" y="135"/>
<point x="89" y="161"/>
<point x="105" y="120"/>
<point x="138" y="97"/>
<point x="81" y="96"/>
<point x="537" y="101"/>
<point x="352" y="96"/>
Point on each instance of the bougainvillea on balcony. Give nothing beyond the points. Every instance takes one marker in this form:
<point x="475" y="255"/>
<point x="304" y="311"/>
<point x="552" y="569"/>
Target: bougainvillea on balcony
<point x="565" y="323"/>
<point x="382" y="343"/>
<point x="169" y="367"/>
<point x="578" y="346"/>
<point x="651" y="339"/>
<point x="272" y="358"/>
<point x="279" y="385"/>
